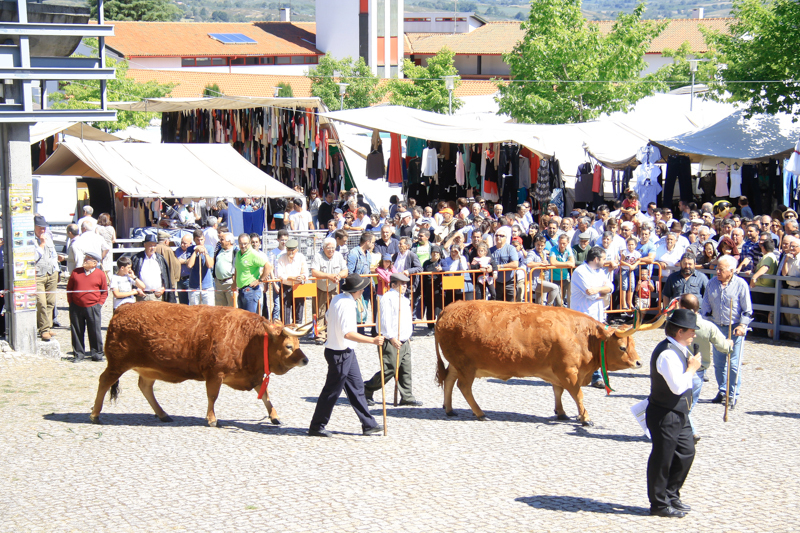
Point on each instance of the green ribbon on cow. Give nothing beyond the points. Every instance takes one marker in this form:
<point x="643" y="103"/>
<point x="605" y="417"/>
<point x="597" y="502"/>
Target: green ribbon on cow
<point x="603" y="370"/>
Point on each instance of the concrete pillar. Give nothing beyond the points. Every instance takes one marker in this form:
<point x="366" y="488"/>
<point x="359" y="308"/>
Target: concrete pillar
<point x="15" y="162"/>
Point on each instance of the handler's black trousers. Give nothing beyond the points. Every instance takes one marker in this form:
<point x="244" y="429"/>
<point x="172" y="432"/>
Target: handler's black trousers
<point x="389" y="362"/>
<point x="672" y="455"/>
<point x="343" y="373"/>
<point x="81" y="319"/>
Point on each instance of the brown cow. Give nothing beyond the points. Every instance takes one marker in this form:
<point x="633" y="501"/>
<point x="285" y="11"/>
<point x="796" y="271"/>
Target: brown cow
<point x="173" y="343"/>
<point x="505" y="340"/>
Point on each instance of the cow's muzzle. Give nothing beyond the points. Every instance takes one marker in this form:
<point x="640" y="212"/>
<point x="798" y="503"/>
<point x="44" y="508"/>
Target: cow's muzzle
<point x="637" y="364"/>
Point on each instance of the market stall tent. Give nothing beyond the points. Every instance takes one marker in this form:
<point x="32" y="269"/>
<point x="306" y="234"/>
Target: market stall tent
<point x="166" y="170"/>
<point x="738" y="138"/>
<point x="43" y="130"/>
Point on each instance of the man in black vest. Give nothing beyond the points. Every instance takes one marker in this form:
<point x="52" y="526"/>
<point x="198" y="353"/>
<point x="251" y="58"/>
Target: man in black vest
<point x="671" y="370"/>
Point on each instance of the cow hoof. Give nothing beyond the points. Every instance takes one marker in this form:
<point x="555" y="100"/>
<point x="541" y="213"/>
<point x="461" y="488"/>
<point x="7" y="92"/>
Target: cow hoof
<point x="95" y="420"/>
<point x="275" y="421"/>
<point x="483" y="418"/>
<point x="451" y="413"/>
<point x="562" y="417"/>
<point x="212" y="424"/>
<point x="587" y="423"/>
<point x="165" y="418"/>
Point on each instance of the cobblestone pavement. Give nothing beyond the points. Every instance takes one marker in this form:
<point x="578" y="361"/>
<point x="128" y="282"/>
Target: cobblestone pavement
<point x="521" y="471"/>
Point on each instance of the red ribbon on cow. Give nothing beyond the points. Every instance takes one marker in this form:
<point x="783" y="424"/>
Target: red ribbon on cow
<point x="266" y="367"/>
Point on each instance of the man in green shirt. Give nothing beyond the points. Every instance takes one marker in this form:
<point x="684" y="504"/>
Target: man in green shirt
<point x="582" y="248"/>
<point x="252" y="268"/>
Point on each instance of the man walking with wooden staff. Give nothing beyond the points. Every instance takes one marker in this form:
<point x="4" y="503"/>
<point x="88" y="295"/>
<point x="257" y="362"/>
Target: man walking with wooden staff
<point x="343" y="370"/>
<point x="395" y="323"/>
<point x="727" y="304"/>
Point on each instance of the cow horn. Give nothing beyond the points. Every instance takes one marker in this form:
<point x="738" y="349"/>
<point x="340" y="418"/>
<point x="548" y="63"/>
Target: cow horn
<point x="299" y="331"/>
<point x="625" y="332"/>
<point x="654" y="324"/>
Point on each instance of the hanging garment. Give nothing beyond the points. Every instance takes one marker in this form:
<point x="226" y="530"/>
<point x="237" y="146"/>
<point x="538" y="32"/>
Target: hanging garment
<point x="460" y="173"/>
<point x="524" y="172"/>
<point x="395" y="174"/>
<point x="543" y="191"/>
<point x="721" y="188"/>
<point x="376" y="168"/>
<point x="648" y="154"/>
<point x="597" y="179"/>
<point x="736" y="181"/>
<point x="793" y="165"/>
<point x="490" y="190"/>
<point x="583" y="183"/>
<point x="679" y="169"/>
<point x="430" y="162"/>
<point x="647" y="186"/>
<point x="789" y="184"/>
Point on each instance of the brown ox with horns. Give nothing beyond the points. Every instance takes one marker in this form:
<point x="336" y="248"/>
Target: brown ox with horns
<point x="172" y="342"/>
<point x="504" y="340"/>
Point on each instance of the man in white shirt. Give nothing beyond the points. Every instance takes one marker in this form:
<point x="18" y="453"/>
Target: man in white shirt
<point x="88" y="241"/>
<point x="300" y="219"/>
<point x="328" y="267"/>
<point x="152" y="269"/>
<point x="291" y="268"/>
<point x="672" y="369"/>
<point x="590" y="284"/>
<point x="211" y="233"/>
<point x="87" y="215"/>
<point x="395" y="311"/>
<point x="343" y="370"/>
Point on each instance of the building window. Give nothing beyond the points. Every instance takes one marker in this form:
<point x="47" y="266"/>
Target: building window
<point x="267" y="60"/>
<point x="283" y="60"/>
<point x="312" y="60"/>
<point x="298" y="60"/>
<point x="251" y="61"/>
<point x="203" y="61"/>
<point x="417" y="19"/>
<point x="187" y="61"/>
<point x="237" y="61"/>
<point x="219" y="61"/>
<point x="450" y="19"/>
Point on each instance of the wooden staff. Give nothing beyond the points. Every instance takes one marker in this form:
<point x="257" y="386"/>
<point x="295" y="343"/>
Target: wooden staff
<point x="397" y="361"/>
<point x="383" y="383"/>
<point x="728" y="380"/>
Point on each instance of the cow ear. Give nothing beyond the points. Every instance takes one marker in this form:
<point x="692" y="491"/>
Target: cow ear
<point x="274" y="329"/>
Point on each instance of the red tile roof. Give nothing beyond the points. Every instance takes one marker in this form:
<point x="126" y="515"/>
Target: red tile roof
<point x="171" y="39"/>
<point x="191" y="84"/>
<point x="497" y="38"/>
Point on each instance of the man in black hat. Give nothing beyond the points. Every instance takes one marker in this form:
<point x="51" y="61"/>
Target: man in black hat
<point x="395" y="312"/>
<point x="672" y="368"/>
<point x="343" y="371"/>
<point x="153" y="270"/>
<point x="46" y="264"/>
<point x="87" y="290"/>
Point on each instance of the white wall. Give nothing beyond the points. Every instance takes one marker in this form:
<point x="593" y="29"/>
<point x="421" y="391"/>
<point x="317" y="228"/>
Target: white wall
<point x="494" y="65"/>
<point x="337" y="27"/>
<point x="655" y="62"/>
<point x="466" y="65"/>
<point x="278" y="70"/>
<point x="154" y="63"/>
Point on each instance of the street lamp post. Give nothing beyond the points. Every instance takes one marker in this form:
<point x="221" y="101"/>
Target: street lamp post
<point x="276" y="92"/>
<point x="693" y="68"/>
<point x="342" y="90"/>
<point x="450" y="84"/>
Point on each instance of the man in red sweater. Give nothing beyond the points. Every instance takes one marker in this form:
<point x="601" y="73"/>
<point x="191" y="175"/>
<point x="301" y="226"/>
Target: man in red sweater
<point x="87" y="290"/>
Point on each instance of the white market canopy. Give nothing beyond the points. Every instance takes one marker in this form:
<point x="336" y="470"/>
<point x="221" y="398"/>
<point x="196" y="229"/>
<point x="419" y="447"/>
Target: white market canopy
<point x="167" y="105"/>
<point x="440" y="128"/>
<point x="737" y="138"/>
<point x="166" y="170"/>
<point x="43" y="130"/>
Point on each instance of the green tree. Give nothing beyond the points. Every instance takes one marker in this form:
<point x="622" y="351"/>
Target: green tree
<point x="212" y="90"/>
<point x="285" y="90"/>
<point x="220" y="16"/>
<point x="138" y="10"/>
<point x="569" y="72"/>
<point x="761" y="56"/>
<point x="86" y="94"/>
<point x="363" y="89"/>
<point x="678" y="73"/>
<point x="424" y="87"/>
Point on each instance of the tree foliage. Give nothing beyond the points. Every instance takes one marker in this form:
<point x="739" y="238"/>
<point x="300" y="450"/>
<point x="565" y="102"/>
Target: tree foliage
<point x="363" y="86"/>
<point x="212" y="91"/>
<point x="678" y="73"/>
<point x="285" y="90"/>
<point x="424" y="87"/>
<point x="761" y="56"/>
<point x="138" y="10"/>
<point x="85" y="94"/>
<point x="569" y="72"/>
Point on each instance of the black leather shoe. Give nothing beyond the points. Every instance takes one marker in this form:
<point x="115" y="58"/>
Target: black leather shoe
<point x="320" y="433"/>
<point x="412" y="403"/>
<point x="377" y="430"/>
<point x="719" y="398"/>
<point x="98" y="358"/>
<point x="370" y="402"/>
<point x="598" y="384"/>
<point x="696" y="438"/>
<point x="680" y="506"/>
<point x="668" y="512"/>
<point x="77" y="359"/>
<point x="731" y="406"/>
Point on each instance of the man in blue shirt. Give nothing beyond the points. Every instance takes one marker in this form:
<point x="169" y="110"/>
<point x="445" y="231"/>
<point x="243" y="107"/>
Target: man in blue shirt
<point x="200" y="263"/>
<point x="183" y="254"/>
<point x="506" y="257"/>
<point x="359" y="262"/>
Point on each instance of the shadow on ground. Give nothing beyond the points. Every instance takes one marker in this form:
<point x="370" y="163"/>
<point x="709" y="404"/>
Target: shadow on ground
<point x="592" y="433"/>
<point x="773" y="413"/>
<point x="535" y="382"/>
<point x="149" y="420"/>
<point x="573" y="504"/>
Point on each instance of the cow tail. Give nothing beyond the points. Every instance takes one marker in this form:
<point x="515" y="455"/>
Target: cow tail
<point x="115" y="391"/>
<point x="441" y="371"/>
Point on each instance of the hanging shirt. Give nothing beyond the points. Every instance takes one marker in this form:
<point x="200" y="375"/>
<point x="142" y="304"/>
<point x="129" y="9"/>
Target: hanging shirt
<point x="736" y="181"/>
<point x="647" y="186"/>
<point x="430" y="162"/>
<point x="721" y="188"/>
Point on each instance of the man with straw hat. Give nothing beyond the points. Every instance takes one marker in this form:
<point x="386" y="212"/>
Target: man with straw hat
<point x="396" y="326"/>
<point x="672" y="368"/>
<point x="343" y="369"/>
